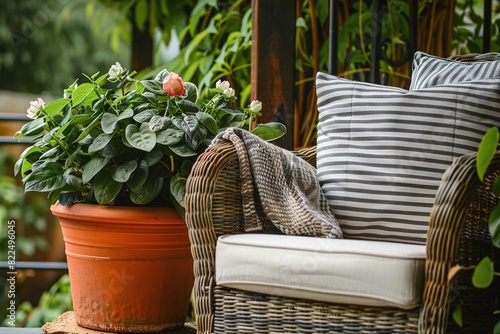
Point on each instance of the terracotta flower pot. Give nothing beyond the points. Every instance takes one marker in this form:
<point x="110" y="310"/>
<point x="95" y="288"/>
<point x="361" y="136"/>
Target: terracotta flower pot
<point x="130" y="268"/>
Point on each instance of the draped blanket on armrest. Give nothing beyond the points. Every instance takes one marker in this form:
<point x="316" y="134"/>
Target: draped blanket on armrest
<point x="285" y="186"/>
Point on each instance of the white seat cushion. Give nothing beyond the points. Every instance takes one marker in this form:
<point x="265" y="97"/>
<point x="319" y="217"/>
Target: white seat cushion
<point x="356" y="272"/>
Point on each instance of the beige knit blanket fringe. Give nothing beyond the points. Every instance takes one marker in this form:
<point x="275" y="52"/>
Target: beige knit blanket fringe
<point x="285" y="186"/>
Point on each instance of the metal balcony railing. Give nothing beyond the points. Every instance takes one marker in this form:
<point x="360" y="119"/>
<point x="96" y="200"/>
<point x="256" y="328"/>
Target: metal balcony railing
<point x="36" y="265"/>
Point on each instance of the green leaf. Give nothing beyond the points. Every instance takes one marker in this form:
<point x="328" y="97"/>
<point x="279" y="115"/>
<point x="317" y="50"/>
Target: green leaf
<point x="153" y="86"/>
<point x="142" y="139"/>
<point x="105" y="188"/>
<point x="32" y="128"/>
<point x="72" y="180"/>
<point x="109" y="122"/>
<point x="84" y="94"/>
<point x="494" y="225"/>
<point x="188" y="124"/>
<point x="141" y="14"/>
<point x="186" y="167"/>
<point x="75" y="119"/>
<point x="208" y="121"/>
<point x="182" y="150"/>
<point x="69" y="161"/>
<point x="178" y="189"/>
<point x="31" y="153"/>
<point x="457" y="314"/>
<point x="139" y="176"/>
<point x="192" y="92"/>
<point x="483" y="274"/>
<point x="51" y="154"/>
<point x="91" y="168"/>
<point x="122" y="172"/>
<point x="154" y="157"/>
<point x="162" y="75"/>
<point x="148" y="191"/>
<point x="98" y="104"/>
<point x="269" y="131"/>
<point x="188" y="107"/>
<point x="101" y="78"/>
<point x="48" y="177"/>
<point x="496" y="187"/>
<point x="114" y="148"/>
<point x="127" y="113"/>
<point x="198" y="38"/>
<point x="197" y="139"/>
<point x="486" y="151"/>
<point x="69" y="197"/>
<point x="54" y="108"/>
<point x="145" y="116"/>
<point x="170" y="136"/>
<point x="157" y="123"/>
<point x="496" y="329"/>
<point x="87" y="130"/>
<point x="99" y="142"/>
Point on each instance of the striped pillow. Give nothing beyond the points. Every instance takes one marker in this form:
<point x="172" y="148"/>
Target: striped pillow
<point x="431" y="71"/>
<point x="383" y="150"/>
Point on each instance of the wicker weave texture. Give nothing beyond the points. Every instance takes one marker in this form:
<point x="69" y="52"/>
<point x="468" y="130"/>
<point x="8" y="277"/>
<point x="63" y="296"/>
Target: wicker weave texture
<point x="246" y="312"/>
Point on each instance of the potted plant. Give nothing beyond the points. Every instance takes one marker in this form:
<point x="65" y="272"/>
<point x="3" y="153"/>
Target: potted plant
<point x="127" y="151"/>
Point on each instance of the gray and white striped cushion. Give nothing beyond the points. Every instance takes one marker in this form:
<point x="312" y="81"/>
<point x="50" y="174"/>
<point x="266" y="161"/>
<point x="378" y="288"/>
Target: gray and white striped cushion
<point x="383" y="150"/>
<point x="431" y="71"/>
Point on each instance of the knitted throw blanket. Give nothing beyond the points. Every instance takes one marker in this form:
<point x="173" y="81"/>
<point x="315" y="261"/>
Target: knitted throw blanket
<point x="284" y="185"/>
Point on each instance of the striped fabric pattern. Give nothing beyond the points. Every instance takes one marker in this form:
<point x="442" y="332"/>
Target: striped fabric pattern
<point x="382" y="150"/>
<point x="429" y="71"/>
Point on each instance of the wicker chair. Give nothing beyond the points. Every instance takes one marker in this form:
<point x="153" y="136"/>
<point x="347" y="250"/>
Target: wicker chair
<point x="458" y="235"/>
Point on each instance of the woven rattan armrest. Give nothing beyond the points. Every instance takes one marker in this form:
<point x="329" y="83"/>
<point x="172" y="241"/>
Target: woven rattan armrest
<point x="458" y="235"/>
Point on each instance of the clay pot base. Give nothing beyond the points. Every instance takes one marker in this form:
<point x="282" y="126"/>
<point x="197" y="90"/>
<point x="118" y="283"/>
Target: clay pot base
<point x="66" y="324"/>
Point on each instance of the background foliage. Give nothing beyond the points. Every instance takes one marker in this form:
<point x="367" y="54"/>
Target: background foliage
<point x="43" y="44"/>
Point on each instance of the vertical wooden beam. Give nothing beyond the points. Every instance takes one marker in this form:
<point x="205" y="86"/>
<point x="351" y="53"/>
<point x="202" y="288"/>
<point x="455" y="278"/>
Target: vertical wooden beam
<point x="142" y="46"/>
<point x="487" y="26"/>
<point x="273" y="62"/>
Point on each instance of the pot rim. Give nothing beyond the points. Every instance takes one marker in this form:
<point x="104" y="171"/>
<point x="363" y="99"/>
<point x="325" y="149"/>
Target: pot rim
<point x="108" y="213"/>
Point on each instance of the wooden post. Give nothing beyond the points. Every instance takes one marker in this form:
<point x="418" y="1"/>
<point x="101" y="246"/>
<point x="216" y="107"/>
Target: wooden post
<point x="142" y="46"/>
<point x="273" y="62"/>
<point x="487" y="26"/>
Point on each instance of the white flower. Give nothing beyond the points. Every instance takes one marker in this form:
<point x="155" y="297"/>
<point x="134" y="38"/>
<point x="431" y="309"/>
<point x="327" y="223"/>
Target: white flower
<point x="115" y="71"/>
<point x="224" y="85"/>
<point x="35" y="108"/>
<point x="255" y="106"/>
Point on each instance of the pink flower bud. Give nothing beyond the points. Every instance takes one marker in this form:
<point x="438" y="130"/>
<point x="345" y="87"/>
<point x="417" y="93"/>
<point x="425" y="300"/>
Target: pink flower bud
<point x="173" y="85"/>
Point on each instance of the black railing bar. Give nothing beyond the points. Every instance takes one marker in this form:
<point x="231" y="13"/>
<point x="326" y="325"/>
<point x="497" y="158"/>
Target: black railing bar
<point x="13" y="140"/>
<point x="37" y="265"/>
<point x="376" y="40"/>
<point x="13" y="117"/>
<point x="487" y="26"/>
<point x="413" y="44"/>
<point x="333" y="40"/>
